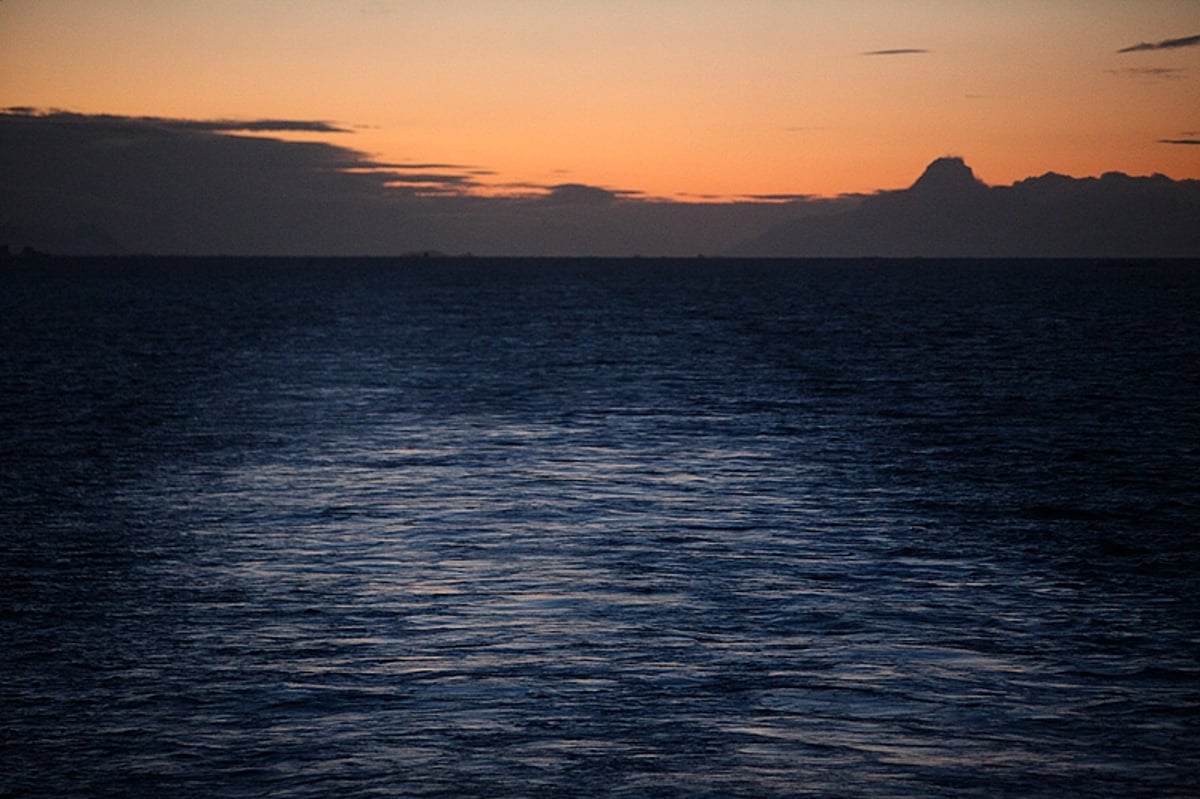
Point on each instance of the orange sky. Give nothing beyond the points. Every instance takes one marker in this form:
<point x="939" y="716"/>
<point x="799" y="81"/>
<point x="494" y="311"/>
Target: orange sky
<point x="671" y="98"/>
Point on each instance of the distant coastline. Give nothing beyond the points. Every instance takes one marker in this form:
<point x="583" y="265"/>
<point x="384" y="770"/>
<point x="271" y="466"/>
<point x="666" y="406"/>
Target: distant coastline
<point x="57" y="199"/>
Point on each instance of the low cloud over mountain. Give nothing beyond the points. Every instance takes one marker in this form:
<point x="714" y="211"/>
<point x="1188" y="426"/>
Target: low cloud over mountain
<point x="77" y="183"/>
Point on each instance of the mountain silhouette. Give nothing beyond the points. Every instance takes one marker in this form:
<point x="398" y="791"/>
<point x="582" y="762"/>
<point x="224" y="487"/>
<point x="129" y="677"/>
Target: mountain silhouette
<point x="949" y="212"/>
<point x="948" y="179"/>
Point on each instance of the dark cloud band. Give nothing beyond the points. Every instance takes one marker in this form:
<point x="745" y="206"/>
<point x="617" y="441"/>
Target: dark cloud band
<point x="205" y="125"/>
<point x="1165" y="44"/>
<point x="1149" y="73"/>
<point x="897" y="51"/>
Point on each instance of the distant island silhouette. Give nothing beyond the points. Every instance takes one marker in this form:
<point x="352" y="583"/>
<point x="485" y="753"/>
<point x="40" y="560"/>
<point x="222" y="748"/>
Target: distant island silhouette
<point x="78" y="184"/>
<point x="948" y="212"/>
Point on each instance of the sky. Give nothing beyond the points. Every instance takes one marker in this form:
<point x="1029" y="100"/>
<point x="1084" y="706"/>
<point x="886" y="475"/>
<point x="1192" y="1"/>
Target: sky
<point x="693" y="100"/>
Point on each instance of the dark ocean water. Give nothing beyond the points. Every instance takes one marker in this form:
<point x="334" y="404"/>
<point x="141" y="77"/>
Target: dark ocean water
<point x="599" y="528"/>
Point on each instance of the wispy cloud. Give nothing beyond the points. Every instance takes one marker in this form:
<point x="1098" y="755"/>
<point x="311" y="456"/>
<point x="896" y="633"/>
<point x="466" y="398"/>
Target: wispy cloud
<point x="369" y="164"/>
<point x="897" y="51"/>
<point x="204" y="125"/>
<point x="1165" y="44"/>
<point x="777" y="198"/>
<point x="1149" y="73"/>
<point x="253" y="125"/>
<point x="428" y="178"/>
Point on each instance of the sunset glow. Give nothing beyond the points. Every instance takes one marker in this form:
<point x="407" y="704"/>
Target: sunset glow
<point x="694" y="99"/>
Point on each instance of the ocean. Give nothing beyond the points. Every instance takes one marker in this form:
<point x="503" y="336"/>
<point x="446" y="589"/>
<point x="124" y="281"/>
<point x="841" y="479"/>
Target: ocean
<point x="483" y="527"/>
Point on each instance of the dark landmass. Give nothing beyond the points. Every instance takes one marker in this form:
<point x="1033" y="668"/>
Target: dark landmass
<point x="26" y="253"/>
<point x="62" y="239"/>
<point x="948" y="212"/>
<point x="78" y="184"/>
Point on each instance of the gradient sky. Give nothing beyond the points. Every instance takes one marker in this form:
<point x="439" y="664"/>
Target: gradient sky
<point x="686" y="99"/>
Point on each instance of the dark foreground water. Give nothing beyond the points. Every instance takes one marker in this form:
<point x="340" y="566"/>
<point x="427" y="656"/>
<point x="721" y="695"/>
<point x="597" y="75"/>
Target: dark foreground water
<point x="599" y="528"/>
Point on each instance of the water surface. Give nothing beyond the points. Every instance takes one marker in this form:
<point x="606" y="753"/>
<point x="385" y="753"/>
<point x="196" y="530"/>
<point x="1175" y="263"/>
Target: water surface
<point x="599" y="528"/>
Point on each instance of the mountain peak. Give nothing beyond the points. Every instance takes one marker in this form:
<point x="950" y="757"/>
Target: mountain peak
<point x="947" y="177"/>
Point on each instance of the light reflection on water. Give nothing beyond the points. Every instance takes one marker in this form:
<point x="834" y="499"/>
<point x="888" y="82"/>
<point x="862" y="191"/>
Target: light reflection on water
<point x="632" y="538"/>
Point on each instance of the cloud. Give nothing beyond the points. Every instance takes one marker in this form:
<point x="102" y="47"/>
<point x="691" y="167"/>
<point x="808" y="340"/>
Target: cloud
<point x="1179" y="141"/>
<point x="778" y="198"/>
<point x="578" y="194"/>
<point x="431" y="165"/>
<point x="1149" y="73"/>
<point x="1165" y="44"/>
<point x="203" y="187"/>
<point x="208" y="141"/>
<point x="254" y="125"/>
<point x="897" y="51"/>
<point x="211" y="125"/>
<point x="442" y="179"/>
<point x="180" y="185"/>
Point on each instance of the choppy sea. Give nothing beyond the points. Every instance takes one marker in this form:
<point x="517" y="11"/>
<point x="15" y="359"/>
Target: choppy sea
<point x="603" y="528"/>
